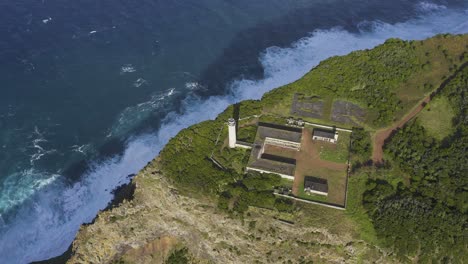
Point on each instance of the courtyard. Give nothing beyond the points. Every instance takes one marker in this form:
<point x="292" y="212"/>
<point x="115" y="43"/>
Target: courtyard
<point x="313" y="158"/>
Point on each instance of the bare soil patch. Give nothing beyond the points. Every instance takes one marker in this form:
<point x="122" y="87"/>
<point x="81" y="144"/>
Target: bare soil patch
<point x="307" y="106"/>
<point x="347" y="112"/>
<point x="308" y="163"/>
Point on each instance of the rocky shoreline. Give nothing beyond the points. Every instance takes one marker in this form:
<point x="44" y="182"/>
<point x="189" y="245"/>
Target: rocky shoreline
<point x="159" y="220"/>
<point x="124" y="192"/>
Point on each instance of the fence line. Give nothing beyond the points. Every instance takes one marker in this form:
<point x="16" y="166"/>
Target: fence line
<point x="311" y="202"/>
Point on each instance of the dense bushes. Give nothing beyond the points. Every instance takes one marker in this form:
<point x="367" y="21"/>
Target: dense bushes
<point x="247" y="134"/>
<point x="179" y="256"/>
<point x="413" y="224"/>
<point x="429" y="216"/>
<point x="360" y="145"/>
<point x="255" y="189"/>
<point x="438" y="169"/>
<point x="185" y="159"/>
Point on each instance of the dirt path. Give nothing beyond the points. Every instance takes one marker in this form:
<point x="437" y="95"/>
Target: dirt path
<point x="382" y="134"/>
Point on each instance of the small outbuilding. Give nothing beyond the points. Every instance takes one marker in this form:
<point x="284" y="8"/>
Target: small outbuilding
<point x="315" y="185"/>
<point x="325" y="135"/>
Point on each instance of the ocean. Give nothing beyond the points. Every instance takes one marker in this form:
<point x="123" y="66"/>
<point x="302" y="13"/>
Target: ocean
<point x="91" y="90"/>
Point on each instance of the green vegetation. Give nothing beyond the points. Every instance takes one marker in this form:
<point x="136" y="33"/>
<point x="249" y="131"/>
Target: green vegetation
<point x="234" y="159"/>
<point x="336" y="184"/>
<point x="179" y="256"/>
<point x="275" y="119"/>
<point x="354" y="208"/>
<point x="427" y="218"/>
<point x="386" y="80"/>
<point x="185" y="159"/>
<point x="286" y="183"/>
<point x="415" y="205"/>
<point x="312" y="196"/>
<point x="247" y="133"/>
<point x="360" y="147"/>
<point x="249" y="108"/>
<point x="284" y="205"/>
<point x="437" y="117"/>
<point x="338" y="152"/>
<point x="255" y="189"/>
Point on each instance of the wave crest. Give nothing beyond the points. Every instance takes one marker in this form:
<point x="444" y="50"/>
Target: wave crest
<point x="45" y="227"/>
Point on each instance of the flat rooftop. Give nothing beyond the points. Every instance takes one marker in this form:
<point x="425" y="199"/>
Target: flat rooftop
<point x="271" y="163"/>
<point x="316" y="184"/>
<point x="319" y="132"/>
<point x="273" y="158"/>
<point x="278" y="131"/>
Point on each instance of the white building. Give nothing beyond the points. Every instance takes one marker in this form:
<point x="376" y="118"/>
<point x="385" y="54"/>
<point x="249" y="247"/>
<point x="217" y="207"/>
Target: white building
<point x="232" y="132"/>
<point x="325" y="135"/>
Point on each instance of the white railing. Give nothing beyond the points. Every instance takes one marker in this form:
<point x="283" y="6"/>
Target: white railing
<point x="282" y="143"/>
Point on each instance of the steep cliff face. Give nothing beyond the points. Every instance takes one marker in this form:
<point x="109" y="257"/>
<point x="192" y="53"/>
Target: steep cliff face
<point x="163" y="218"/>
<point x="159" y="220"/>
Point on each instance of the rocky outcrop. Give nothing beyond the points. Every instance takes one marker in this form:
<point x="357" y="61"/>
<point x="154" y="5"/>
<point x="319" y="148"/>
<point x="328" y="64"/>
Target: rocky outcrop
<point x="160" y="219"/>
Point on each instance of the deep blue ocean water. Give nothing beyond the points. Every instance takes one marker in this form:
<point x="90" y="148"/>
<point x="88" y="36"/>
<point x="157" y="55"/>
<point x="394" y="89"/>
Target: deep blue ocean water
<point x="91" y="90"/>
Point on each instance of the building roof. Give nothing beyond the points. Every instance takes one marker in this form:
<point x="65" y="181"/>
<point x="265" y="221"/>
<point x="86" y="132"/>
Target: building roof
<point x="316" y="184"/>
<point x="293" y="134"/>
<point x="324" y="133"/>
<point x="278" y="158"/>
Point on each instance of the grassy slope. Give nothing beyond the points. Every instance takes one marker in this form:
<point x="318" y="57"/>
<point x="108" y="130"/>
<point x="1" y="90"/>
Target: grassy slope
<point x="386" y="81"/>
<point x="429" y="157"/>
<point x="437" y="117"/>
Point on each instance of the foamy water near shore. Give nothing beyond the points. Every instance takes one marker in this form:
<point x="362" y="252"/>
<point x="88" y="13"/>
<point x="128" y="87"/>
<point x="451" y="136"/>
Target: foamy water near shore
<point x="46" y="227"/>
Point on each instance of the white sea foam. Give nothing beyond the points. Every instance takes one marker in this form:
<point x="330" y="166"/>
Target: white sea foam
<point x="46" y="227"/>
<point x="428" y="7"/>
<point x="133" y="115"/>
<point x="36" y="145"/>
<point x="46" y="20"/>
<point x="192" y="85"/>
<point x="139" y="82"/>
<point x="83" y="149"/>
<point x="127" y="68"/>
<point x="19" y="186"/>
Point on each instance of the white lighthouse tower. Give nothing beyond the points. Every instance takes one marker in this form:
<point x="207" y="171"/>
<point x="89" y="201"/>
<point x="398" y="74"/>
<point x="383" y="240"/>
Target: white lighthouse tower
<point x="232" y="132"/>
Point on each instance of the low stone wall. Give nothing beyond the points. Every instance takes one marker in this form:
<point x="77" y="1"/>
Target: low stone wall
<point x="265" y="171"/>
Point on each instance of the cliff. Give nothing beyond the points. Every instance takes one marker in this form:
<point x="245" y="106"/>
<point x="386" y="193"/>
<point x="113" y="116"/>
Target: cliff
<point x="185" y="208"/>
<point x="160" y="219"/>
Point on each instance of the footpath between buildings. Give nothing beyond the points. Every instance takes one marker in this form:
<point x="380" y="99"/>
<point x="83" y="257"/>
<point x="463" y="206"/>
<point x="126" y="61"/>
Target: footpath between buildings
<point x="328" y="127"/>
<point x="311" y="202"/>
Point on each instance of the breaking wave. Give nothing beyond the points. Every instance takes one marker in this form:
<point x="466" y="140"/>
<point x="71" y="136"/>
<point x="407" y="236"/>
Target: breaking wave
<point x="127" y="68"/>
<point x="134" y="115"/>
<point x="44" y="227"/>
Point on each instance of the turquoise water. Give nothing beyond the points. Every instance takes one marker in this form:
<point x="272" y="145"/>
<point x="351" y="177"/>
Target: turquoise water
<point x="91" y="91"/>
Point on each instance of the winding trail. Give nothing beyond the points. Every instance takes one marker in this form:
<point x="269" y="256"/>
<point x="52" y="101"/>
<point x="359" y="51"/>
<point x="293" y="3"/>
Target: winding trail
<point x="381" y="135"/>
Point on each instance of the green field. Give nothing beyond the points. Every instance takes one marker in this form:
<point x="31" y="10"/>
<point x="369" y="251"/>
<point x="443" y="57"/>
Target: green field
<point x="338" y="152"/>
<point x="390" y="78"/>
<point x="437" y="117"/>
<point x="247" y="133"/>
<point x="336" y="186"/>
